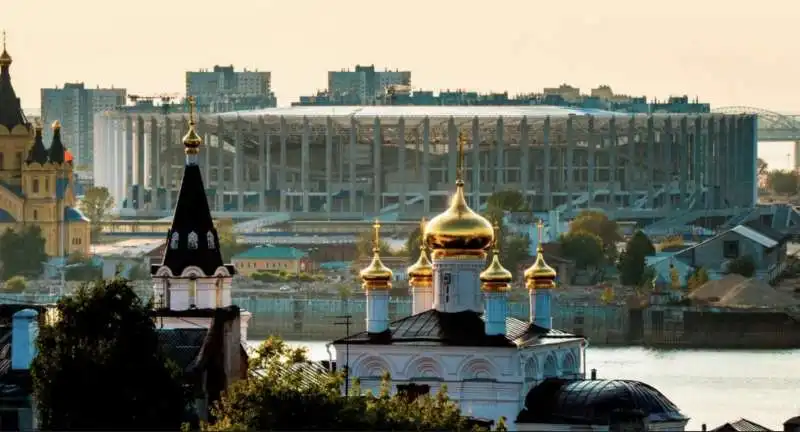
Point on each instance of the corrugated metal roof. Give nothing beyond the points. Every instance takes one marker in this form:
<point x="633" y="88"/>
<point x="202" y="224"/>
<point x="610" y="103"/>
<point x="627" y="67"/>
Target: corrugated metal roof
<point x="754" y="236"/>
<point x="271" y="252"/>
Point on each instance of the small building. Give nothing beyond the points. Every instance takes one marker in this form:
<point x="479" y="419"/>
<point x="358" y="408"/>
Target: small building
<point x="272" y="258"/>
<point x="766" y="246"/>
<point x="741" y="425"/>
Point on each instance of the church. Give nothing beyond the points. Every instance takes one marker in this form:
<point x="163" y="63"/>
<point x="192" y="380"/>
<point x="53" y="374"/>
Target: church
<point x="36" y="183"/>
<point x="460" y="335"/>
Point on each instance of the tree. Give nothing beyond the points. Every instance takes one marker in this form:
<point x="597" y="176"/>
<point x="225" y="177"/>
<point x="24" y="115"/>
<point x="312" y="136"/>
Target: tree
<point x="96" y="204"/>
<point x="365" y="243"/>
<point x="100" y="366"/>
<point x="761" y="167"/>
<point x="413" y="243"/>
<point x="599" y="224"/>
<point x="16" y="284"/>
<point x="632" y="261"/>
<point x="287" y="395"/>
<point x="583" y="247"/>
<point x="81" y="268"/>
<point x="228" y="240"/>
<point x="139" y="272"/>
<point x="22" y="252"/>
<point x="697" y="279"/>
<point x="744" y="265"/>
<point x="783" y="182"/>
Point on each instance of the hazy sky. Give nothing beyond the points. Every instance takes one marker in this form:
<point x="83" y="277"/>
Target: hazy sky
<point x="728" y="53"/>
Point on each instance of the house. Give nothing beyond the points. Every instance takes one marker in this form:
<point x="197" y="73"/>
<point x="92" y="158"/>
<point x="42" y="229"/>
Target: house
<point x="766" y="246"/>
<point x="272" y="258"/>
<point x="741" y="425"/>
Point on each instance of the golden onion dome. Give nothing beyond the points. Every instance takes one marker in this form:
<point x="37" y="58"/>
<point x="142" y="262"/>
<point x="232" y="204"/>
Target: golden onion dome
<point x="421" y="272"/>
<point x="191" y="141"/>
<point x="459" y="230"/>
<point x="376" y="275"/>
<point x="496" y="277"/>
<point x="540" y="275"/>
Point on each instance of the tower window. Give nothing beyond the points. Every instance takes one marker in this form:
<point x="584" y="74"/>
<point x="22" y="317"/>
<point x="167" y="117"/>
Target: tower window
<point x="47" y="185"/>
<point x="36" y="215"/>
<point x="2" y="161"/>
<point x="19" y="159"/>
<point x="35" y="185"/>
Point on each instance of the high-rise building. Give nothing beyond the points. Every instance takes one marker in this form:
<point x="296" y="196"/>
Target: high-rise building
<point x="36" y="184"/>
<point x="223" y="89"/>
<point x="364" y="85"/>
<point x="75" y="106"/>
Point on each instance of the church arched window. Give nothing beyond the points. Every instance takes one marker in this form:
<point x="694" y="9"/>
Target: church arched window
<point x="210" y="240"/>
<point x="47" y="185"/>
<point x="36" y="215"/>
<point x="192" y="240"/>
<point x="35" y="185"/>
<point x="2" y="160"/>
<point x="173" y="241"/>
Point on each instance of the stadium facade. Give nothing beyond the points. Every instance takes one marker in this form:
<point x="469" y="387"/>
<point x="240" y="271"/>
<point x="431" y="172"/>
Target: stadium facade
<point x="400" y="161"/>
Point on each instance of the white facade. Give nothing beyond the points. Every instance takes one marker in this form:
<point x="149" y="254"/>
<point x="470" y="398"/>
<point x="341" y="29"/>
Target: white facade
<point x="486" y="382"/>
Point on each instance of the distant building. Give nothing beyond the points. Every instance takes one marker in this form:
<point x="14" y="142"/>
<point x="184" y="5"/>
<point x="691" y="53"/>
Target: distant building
<point x="364" y="85"/>
<point x="36" y="184"/>
<point x="223" y="89"/>
<point x="272" y="258"/>
<point x="74" y="106"/>
<point x="401" y="93"/>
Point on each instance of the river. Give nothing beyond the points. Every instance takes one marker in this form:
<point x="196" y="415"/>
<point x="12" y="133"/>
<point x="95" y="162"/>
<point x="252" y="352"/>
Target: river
<point x="710" y="386"/>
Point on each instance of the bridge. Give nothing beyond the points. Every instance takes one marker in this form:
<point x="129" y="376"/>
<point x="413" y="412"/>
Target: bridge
<point x="772" y="126"/>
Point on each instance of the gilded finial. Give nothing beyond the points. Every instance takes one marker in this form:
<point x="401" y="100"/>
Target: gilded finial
<point x="540" y="233"/>
<point x="5" y="58"/>
<point x="56" y="125"/>
<point x="462" y="139"/>
<point x="376" y="240"/>
<point x="496" y="246"/>
<point x="191" y="141"/>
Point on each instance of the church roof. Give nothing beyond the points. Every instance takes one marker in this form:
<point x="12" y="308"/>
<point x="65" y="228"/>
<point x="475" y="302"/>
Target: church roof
<point x="558" y="401"/>
<point x="466" y="328"/>
<point x="192" y="241"/>
<point x="11" y="114"/>
<point x="14" y="189"/>
<point x="72" y="214"/>
<point x="5" y="216"/>
<point x="38" y="153"/>
<point x="56" y="151"/>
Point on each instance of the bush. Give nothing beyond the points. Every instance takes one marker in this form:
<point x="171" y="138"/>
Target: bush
<point x="16" y="284"/>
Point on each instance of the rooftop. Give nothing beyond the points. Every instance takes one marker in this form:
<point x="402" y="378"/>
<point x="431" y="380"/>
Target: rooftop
<point x="131" y="247"/>
<point x="271" y="252"/>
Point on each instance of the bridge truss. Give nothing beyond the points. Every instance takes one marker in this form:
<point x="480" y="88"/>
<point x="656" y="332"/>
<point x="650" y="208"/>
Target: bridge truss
<point x="772" y="126"/>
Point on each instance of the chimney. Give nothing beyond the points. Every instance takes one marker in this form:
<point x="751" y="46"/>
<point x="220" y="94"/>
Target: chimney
<point x="24" y="331"/>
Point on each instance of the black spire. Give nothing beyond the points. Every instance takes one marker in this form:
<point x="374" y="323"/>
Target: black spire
<point x="10" y="108"/>
<point x="192" y="241"/>
<point x="38" y="153"/>
<point x="56" y="154"/>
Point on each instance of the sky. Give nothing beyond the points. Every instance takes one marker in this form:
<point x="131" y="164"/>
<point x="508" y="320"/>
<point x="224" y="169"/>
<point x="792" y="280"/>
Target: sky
<point x="725" y="53"/>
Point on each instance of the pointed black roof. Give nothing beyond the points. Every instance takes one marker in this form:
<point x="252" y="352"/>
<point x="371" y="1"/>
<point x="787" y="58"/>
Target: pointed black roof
<point x="38" y="153"/>
<point x="56" y="153"/>
<point x="192" y="241"/>
<point x="11" y="114"/>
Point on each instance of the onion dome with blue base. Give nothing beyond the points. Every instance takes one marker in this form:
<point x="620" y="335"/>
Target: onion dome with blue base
<point x="376" y="276"/>
<point x="540" y="275"/>
<point x="496" y="278"/>
<point x="192" y="241"/>
<point x="420" y="274"/>
<point x="459" y="231"/>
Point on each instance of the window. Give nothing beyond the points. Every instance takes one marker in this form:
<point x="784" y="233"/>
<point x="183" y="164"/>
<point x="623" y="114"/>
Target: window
<point x="36" y="215"/>
<point x="35" y="186"/>
<point x="2" y="160"/>
<point x="730" y="249"/>
<point x="47" y="185"/>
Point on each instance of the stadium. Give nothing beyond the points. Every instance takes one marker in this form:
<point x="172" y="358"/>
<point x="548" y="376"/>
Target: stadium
<point x="399" y="162"/>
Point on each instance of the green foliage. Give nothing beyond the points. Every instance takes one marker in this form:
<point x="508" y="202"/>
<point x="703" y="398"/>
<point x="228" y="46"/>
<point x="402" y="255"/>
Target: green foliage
<point x="15" y="284"/>
<point x="599" y="224"/>
<point x="583" y="247"/>
<point x="139" y="272"/>
<point x="96" y="204"/>
<point x="275" y="276"/>
<point x="761" y="167"/>
<point x="282" y="397"/>
<point x="364" y="245"/>
<point x="632" y="261"/>
<point x="22" y="252"/>
<point x="81" y="268"/>
<point x="100" y="366"/>
<point x="697" y="279"/>
<point x="413" y="243"/>
<point x="783" y="182"/>
<point x="228" y="242"/>
<point x="744" y="265"/>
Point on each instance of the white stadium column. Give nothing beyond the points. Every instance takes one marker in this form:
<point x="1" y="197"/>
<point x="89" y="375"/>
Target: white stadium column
<point x="548" y="157"/>
<point x="651" y="162"/>
<point x="238" y="165"/>
<point x="475" y="183"/>
<point x="525" y="161"/>
<point x="329" y="129"/>
<point x="140" y="160"/>
<point x="263" y="141"/>
<point x="282" y="171"/>
<point x="452" y="150"/>
<point x="377" y="146"/>
<point x="352" y="162"/>
<point x="683" y="161"/>
<point x="401" y="163"/>
<point x="426" y="164"/>
<point x="570" y="161"/>
<point x="128" y="153"/>
<point x="169" y="137"/>
<point x="613" y="162"/>
<point x="220" y="192"/>
<point x="305" y="183"/>
<point x="499" y="166"/>
<point x="591" y="166"/>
